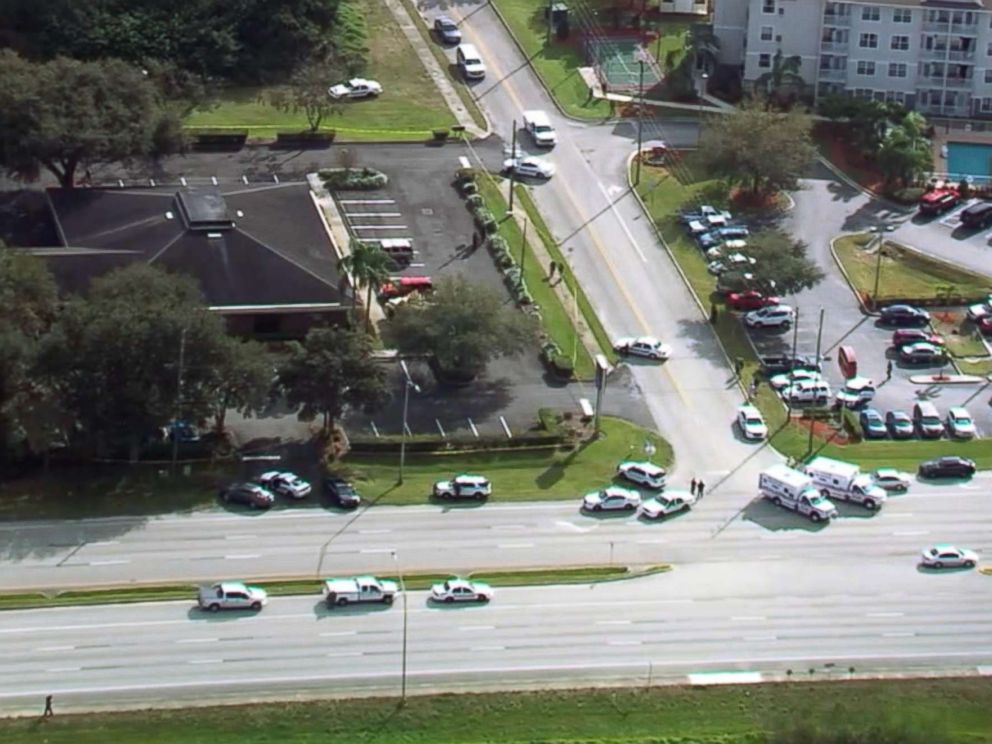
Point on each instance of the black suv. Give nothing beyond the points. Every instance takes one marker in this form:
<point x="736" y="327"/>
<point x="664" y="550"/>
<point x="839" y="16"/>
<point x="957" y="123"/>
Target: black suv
<point x="949" y="466"/>
<point x="977" y="215"/>
<point x="342" y="492"/>
<point x="782" y="363"/>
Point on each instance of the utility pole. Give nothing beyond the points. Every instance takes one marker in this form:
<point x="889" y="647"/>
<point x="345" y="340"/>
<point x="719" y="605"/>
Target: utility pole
<point x="523" y="247"/>
<point x="513" y="156"/>
<point x="602" y="369"/>
<point x="174" y="430"/>
<point x="399" y="572"/>
<point x="640" y="122"/>
<point x="878" y="269"/>
<point x="819" y="338"/>
<point x="792" y="361"/>
<point x="407" y="384"/>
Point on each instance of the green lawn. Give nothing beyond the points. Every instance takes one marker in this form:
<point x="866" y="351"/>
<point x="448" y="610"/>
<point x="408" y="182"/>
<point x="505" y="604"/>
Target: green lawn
<point x="905" y="273"/>
<point x="663" y="194"/>
<point x="557" y="62"/>
<point x="555" y="318"/>
<point x="409" y="107"/>
<point x="516" y="476"/>
<point x="940" y="711"/>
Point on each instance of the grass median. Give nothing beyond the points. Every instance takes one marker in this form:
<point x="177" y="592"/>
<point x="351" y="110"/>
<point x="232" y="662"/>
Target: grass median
<point x="409" y="108"/>
<point x="413" y="582"/>
<point x="936" y="711"/>
<point x="663" y="194"/>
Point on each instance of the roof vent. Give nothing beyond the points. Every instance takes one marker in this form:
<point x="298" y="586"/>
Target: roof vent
<point x="203" y="209"/>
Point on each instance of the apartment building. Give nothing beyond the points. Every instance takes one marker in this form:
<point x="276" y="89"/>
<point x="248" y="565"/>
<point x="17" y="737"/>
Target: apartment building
<point x="684" y="7"/>
<point x="935" y="56"/>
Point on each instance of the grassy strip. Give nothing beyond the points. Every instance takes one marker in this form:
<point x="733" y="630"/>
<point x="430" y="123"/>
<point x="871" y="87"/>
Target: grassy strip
<point x="555" y="62"/>
<point x="939" y="711"/>
<point x="450" y="69"/>
<point x="516" y="476"/>
<point x="905" y="273"/>
<point x="408" y="109"/>
<point x="663" y="194"/>
<point x="554" y="317"/>
<point x="554" y="250"/>
<point x="165" y="593"/>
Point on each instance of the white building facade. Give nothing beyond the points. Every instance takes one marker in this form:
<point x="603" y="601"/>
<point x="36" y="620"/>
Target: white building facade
<point x="935" y="56"/>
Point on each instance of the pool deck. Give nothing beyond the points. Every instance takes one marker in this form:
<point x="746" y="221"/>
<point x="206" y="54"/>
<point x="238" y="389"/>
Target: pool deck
<point x="945" y="135"/>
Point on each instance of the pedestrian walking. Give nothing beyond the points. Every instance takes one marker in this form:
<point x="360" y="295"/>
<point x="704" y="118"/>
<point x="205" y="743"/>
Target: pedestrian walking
<point x="713" y="312"/>
<point x="888" y="371"/>
<point x="551" y="270"/>
<point x="738" y="366"/>
<point x="692" y="486"/>
<point x="48" y="707"/>
<point x="753" y="389"/>
<point x="700" y="487"/>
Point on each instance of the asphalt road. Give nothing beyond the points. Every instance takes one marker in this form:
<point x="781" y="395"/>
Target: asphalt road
<point x="725" y="526"/>
<point x="700" y="620"/>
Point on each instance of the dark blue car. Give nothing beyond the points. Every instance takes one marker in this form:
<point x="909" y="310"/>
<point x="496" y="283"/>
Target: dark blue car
<point x="872" y="424"/>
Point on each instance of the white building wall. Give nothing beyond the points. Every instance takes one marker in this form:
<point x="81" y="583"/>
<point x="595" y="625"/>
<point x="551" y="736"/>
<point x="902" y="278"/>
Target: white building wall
<point x="792" y="26"/>
<point x="730" y="26"/>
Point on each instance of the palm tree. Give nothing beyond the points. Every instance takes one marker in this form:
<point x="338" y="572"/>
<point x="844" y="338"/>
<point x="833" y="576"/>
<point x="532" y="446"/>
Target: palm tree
<point x="368" y="265"/>
<point x="702" y="46"/>
<point x="783" y="75"/>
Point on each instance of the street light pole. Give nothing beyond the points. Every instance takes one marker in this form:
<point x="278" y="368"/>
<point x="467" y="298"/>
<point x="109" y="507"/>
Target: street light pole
<point x="399" y="572"/>
<point x="513" y="157"/>
<point x="819" y="338"/>
<point x="640" y="121"/>
<point x="878" y="267"/>
<point x="407" y="384"/>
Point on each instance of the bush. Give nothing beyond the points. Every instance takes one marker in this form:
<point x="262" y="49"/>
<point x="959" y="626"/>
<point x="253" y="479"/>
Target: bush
<point x="513" y="276"/>
<point x="562" y="366"/>
<point x="907" y="196"/>
<point x="219" y="140"/>
<point x="304" y="139"/>
<point x="498" y="243"/>
<point x="503" y="259"/>
<point x="490" y="226"/>
<point x="469" y="188"/>
<point x="473" y="201"/>
<point x="550" y="420"/>
<point x="464" y="174"/>
<point x="353" y="179"/>
<point x="440" y="135"/>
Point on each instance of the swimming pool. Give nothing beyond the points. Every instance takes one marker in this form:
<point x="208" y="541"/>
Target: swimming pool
<point x="969" y="159"/>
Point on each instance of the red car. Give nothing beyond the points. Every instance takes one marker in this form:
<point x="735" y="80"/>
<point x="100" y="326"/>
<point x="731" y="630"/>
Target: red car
<point x="985" y="325"/>
<point x="939" y="200"/>
<point x="404" y="285"/>
<point x="750" y="300"/>
<point x="915" y="335"/>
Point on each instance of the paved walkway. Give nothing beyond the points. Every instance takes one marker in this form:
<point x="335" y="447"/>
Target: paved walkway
<point x="441" y="80"/>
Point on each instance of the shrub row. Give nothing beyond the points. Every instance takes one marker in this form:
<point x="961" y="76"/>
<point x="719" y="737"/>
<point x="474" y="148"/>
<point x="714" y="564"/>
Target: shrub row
<point x="353" y="179"/>
<point x="559" y="363"/>
<point x="213" y="139"/>
<point x="523" y="440"/>
<point x="303" y="140"/>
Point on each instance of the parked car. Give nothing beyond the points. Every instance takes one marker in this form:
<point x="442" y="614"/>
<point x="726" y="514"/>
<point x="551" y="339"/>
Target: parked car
<point x="751" y="422"/>
<point x="899" y="424"/>
<point x="904" y="315"/>
<point x="949" y="466"/>
<point x="922" y="353"/>
<point x="927" y="420"/>
<point x="750" y="299"/>
<point x="285" y="484"/>
<point x="708" y="240"/>
<point x="778" y="382"/>
<point x="960" y="424"/>
<point x="704" y="214"/>
<point x="182" y="431"/>
<point x="645" y="474"/>
<point x="891" y="479"/>
<point x="872" y="424"/>
<point x="538" y="123"/>
<point x="980" y="310"/>
<point x="948" y="556"/>
<point x="529" y="167"/>
<point x="985" y="325"/>
<point x="939" y="200"/>
<point x="776" y="316"/>
<point x="248" y="494"/>
<point x="447" y="30"/>
<point x="342" y="492"/>
<point x="807" y="391"/>
<point x="776" y="364"/>
<point x="733" y="232"/>
<point x="726" y="263"/>
<point x="645" y="346"/>
<point x="355" y="88"/>
<point x="461" y="590"/>
<point x="856" y="391"/>
<point x="463" y="486"/>
<point x="905" y="336"/>
<point x="611" y="498"/>
<point x="231" y="595"/>
<point x="977" y="215"/>
<point x="663" y="505"/>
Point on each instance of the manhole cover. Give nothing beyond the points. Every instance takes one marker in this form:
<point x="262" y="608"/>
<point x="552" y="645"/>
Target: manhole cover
<point x="427" y="212"/>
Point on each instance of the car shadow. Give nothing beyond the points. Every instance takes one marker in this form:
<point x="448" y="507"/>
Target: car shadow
<point x="321" y="610"/>
<point x="846" y="510"/>
<point x="920" y="568"/>
<point x="941" y="481"/>
<point x="607" y="514"/>
<point x="431" y="604"/>
<point x="221" y="616"/>
<point x="764" y="513"/>
<point x="637" y="361"/>
<point x="661" y="520"/>
<point x="449" y="504"/>
<point x="241" y="509"/>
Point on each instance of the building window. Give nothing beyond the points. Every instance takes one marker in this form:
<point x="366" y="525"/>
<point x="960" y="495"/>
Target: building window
<point x="902" y="15"/>
<point x="897" y="69"/>
<point x="764" y="61"/>
<point x="988" y="76"/>
<point x="988" y="52"/>
<point x="866" y="67"/>
<point x="868" y="41"/>
<point x="768" y="6"/>
<point x="900" y="43"/>
<point x="767" y="32"/>
<point x="871" y="13"/>
<point x="986" y="105"/>
<point x="895" y="96"/>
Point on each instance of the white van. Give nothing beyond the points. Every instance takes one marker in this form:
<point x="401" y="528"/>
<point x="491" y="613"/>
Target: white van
<point x="470" y="62"/>
<point x="539" y="126"/>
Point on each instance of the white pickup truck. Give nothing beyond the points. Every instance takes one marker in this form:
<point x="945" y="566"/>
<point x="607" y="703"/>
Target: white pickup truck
<point x="231" y="595"/>
<point x="791" y="489"/>
<point x="360" y="589"/>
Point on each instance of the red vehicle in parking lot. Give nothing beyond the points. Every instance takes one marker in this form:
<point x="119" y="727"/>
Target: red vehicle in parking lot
<point x="403" y="285"/>
<point x="914" y="335"/>
<point x="939" y="200"/>
<point x="750" y="299"/>
<point x="985" y="325"/>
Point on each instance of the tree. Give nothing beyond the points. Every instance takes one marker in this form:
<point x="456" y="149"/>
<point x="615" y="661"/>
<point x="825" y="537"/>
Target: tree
<point x="766" y="151"/>
<point x="331" y="369"/>
<point x="242" y="381"/>
<point x="782" y="78"/>
<point x="461" y="326"/>
<point x="369" y="266"/>
<point x="139" y="349"/>
<point x="702" y="46"/>
<point x="307" y="91"/>
<point x="64" y="115"/>
<point x="905" y="153"/>
<point x="781" y="265"/>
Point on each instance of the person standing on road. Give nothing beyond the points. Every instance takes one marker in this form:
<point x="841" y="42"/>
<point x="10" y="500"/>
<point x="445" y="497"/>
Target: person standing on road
<point x="888" y="371"/>
<point x="692" y="486"/>
<point x="48" y="707"/>
<point x="700" y="487"/>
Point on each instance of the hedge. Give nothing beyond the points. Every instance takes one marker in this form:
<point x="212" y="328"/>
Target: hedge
<point x="353" y="179"/>
<point x="305" y="139"/>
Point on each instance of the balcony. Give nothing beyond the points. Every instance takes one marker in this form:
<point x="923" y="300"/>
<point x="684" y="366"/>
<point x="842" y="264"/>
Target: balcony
<point x="940" y="27"/>
<point x="955" y="83"/>
<point x="837" y="19"/>
<point x="834" y="46"/>
<point x="957" y="55"/>
<point x="937" y="53"/>
<point x="968" y="29"/>
<point x="833" y="74"/>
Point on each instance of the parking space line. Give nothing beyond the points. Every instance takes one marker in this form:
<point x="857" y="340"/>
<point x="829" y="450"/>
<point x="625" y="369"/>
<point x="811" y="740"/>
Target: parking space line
<point x="374" y="214"/>
<point x="367" y="201"/>
<point x="380" y="227"/>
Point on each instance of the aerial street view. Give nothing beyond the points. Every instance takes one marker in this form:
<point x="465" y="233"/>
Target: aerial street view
<point x="466" y="371"/>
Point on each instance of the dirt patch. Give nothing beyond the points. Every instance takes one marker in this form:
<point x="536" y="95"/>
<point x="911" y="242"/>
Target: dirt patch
<point x="825" y="430"/>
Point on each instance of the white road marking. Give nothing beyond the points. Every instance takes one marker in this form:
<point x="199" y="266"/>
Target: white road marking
<point x="500" y="527"/>
<point x="374" y="214"/>
<point x="478" y="627"/>
<point x="656" y="541"/>
<point x="116" y="562"/>
<point x="344" y="653"/>
<point x="42" y="649"/>
<point x="205" y="661"/>
<point x="623" y="643"/>
<point x="613" y="622"/>
<point x="242" y="556"/>
<point x="898" y="634"/>
<point x="339" y="633"/>
<point x="376" y="550"/>
<point x="197" y="640"/>
<point x="510" y="546"/>
<point x="368" y="201"/>
<point x="724" y="678"/>
<point x="56" y="670"/>
<point x="884" y="614"/>
<point x="240" y="537"/>
<point x="748" y="618"/>
<point x="104" y="542"/>
<point x="373" y="532"/>
<point x="911" y="533"/>
<point x="379" y="227"/>
<point x="759" y="638"/>
<point x="488" y="648"/>
<point x="623" y="225"/>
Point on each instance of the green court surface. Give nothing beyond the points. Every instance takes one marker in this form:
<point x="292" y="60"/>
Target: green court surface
<point x="617" y="61"/>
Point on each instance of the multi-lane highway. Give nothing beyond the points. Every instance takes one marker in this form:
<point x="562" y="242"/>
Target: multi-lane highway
<point x="751" y="618"/>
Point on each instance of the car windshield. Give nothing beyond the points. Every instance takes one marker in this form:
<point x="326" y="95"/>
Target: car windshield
<point x="446" y="24"/>
<point x="753" y="421"/>
<point x="930" y="421"/>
